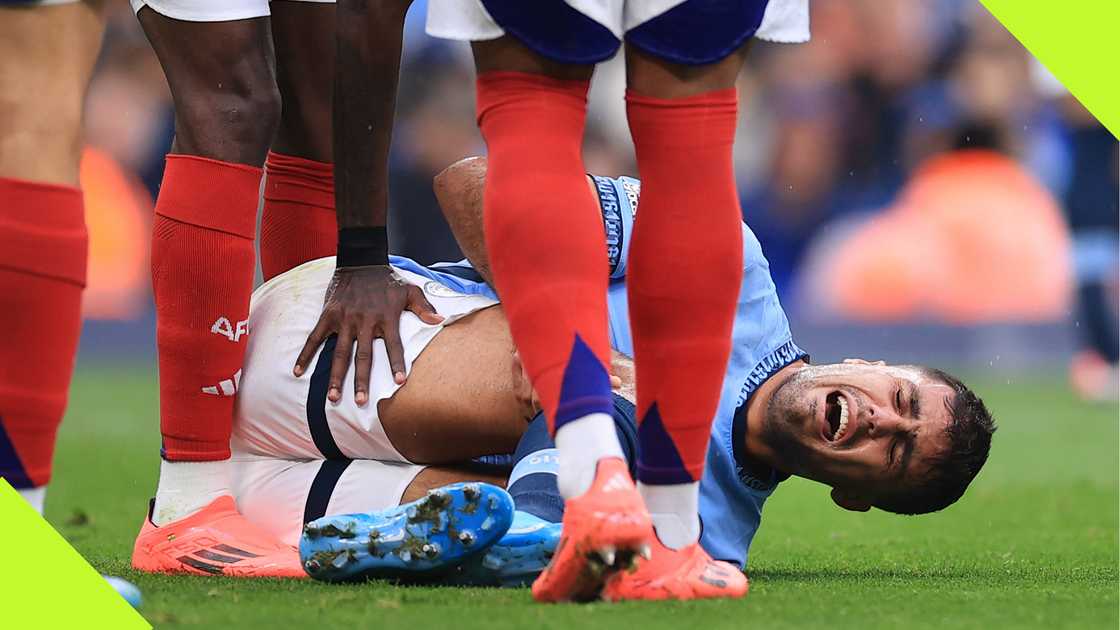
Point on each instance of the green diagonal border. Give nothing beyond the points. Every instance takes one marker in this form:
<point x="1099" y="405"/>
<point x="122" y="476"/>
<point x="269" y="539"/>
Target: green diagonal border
<point x="45" y="582"/>
<point x="1078" y="43"/>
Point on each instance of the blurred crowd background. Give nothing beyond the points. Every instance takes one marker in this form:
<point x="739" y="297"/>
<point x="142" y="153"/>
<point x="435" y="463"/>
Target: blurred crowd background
<point x="923" y="189"/>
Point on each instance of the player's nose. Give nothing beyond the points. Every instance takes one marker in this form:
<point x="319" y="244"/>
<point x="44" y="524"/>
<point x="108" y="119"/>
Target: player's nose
<point x="881" y="421"/>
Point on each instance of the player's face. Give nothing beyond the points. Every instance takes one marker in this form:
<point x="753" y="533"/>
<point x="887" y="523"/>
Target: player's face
<point x="862" y="428"/>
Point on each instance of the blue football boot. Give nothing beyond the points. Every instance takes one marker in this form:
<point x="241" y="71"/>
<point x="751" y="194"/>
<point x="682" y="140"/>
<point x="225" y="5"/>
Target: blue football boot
<point x="515" y="560"/>
<point x="418" y="541"/>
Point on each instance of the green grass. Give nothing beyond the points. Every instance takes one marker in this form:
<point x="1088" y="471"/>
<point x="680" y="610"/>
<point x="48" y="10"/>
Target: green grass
<point x="1034" y="544"/>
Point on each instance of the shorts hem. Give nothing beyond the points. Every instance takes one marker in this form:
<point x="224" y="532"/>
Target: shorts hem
<point x="215" y="16"/>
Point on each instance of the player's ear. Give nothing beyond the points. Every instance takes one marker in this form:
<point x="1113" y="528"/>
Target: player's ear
<point x="863" y="362"/>
<point x="850" y="501"/>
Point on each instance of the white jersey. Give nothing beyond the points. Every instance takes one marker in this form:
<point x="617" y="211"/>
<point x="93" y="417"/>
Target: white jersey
<point x="279" y="415"/>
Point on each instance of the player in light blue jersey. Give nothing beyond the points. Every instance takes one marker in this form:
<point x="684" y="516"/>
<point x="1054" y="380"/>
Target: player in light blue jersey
<point x="906" y="439"/>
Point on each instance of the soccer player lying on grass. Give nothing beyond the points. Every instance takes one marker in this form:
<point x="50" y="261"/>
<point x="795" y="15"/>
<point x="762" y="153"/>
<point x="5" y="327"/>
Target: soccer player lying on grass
<point x="905" y="439"/>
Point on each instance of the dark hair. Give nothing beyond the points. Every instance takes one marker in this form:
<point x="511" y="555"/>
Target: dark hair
<point x="970" y="438"/>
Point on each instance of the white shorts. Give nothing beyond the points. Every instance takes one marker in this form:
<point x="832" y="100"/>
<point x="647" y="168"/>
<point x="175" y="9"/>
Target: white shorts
<point x="210" y="10"/>
<point x="281" y="416"/>
<point x="785" y="21"/>
<point x="282" y="495"/>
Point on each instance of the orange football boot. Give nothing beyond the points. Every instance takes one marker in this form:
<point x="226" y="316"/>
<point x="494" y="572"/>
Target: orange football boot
<point x="687" y="573"/>
<point x="604" y="530"/>
<point x="216" y="540"/>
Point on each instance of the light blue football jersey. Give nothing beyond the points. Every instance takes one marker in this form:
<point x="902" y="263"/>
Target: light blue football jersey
<point x="731" y="499"/>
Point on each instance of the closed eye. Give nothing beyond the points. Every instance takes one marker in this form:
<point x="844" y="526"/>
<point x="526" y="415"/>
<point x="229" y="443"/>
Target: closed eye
<point x="898" y="400"/>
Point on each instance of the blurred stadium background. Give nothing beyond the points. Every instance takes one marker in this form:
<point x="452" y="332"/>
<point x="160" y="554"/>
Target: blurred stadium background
<point x="923" y="189"/>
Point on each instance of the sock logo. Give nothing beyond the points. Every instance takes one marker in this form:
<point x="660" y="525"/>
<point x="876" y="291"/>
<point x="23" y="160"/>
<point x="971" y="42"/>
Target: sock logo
<point x="618" y="483"/>
<point x="228" y="387"/>
<point x="226" y="329"/>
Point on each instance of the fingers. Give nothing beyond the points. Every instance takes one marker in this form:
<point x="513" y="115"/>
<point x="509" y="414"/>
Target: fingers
<point x="363" y="365"/>
<point x="421" y="307"/>
<point x="395" y="349"/>
<point x="340" y="364"/>
<point x="311" y="346"/>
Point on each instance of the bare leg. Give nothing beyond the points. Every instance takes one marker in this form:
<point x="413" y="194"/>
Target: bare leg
<point x="227" y="105"/>
<point x="43" y="240"/>
<point x="43" y="86"/>
<point x="226" y="110"/>
<point x="654" y="76"/>
<point x="298" y="218"/>
<point x="303" y="34"/>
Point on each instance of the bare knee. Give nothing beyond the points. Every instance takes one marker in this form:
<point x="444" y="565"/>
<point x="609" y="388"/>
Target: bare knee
<point x="232" y="121"/>
<point x="227" y="104"/>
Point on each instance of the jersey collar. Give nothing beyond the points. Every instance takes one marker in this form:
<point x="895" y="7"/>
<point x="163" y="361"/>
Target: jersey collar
<point x="752" y="473"/>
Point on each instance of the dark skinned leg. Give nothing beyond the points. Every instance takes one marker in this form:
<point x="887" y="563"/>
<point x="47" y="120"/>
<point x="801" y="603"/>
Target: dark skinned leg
<point x="303" y="36"/>
<point x="298" y="219"/>
<point x="653" y="76"/>
<point x="227" y="105"/>
<point x="226" y="110"/>
<point x="506" y="54"/>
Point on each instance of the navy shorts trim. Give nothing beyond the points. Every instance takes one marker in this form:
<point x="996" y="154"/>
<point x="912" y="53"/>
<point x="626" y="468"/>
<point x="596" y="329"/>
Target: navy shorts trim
<point x="322" y="488"/>
<point x="317" y="423"/>
<point x="699" y="32"/>
<point x="554" y="30"/>
<point x="696" y="32"/>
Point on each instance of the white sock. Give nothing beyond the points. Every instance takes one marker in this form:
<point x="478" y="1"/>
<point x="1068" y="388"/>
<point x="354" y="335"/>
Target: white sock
<point x="35" y="496"/>
<point x="582" y="443"/>
<point x="675" y="512"/>
<point x="187" y="487"/>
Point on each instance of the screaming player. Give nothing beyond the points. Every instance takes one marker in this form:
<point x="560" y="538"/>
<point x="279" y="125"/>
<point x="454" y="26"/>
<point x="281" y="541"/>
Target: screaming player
<point x="534" y="62"/>
<point x="902" y="438"/>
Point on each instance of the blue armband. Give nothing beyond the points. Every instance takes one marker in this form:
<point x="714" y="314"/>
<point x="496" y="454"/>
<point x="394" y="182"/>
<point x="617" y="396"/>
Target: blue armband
<point x="618" y="201"/>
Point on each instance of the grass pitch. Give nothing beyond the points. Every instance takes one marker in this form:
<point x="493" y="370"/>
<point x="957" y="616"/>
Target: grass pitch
<point x="1033" y="544"/>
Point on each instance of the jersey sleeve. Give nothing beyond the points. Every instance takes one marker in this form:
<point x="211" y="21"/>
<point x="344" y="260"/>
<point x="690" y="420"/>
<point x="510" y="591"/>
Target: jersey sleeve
<point x="618" y="201"/>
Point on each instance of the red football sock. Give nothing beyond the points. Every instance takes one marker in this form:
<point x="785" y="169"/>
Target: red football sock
<point x="689" y="220"/>
<point x="298" y="222"/>
<point x="202" y="276"/>
<point x="43" y="246"/>
<point x="545" y="238"/>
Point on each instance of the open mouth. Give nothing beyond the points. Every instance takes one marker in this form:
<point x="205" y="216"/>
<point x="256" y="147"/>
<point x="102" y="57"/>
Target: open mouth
<point x="836" y="414"/>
